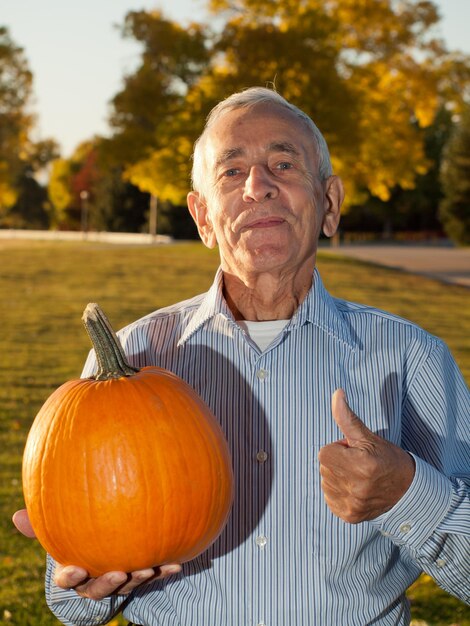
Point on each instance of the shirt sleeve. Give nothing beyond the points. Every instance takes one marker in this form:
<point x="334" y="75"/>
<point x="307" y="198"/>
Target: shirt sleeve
<point x="432" y="519"/>
<point x="90" y="365"/>
<point x="73" y="610"/>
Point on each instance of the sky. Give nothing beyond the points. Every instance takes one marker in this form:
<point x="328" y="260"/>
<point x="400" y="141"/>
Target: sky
<point x="78" y="56"/>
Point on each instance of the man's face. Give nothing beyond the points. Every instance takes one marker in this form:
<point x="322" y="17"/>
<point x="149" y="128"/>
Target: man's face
<point x="263" y="203"/>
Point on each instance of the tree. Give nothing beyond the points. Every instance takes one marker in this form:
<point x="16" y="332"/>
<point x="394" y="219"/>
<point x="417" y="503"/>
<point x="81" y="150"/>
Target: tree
<point x="413" y="209"/>
<point x="85" y="192"/>
<point x="71" y="186"/>
<point x="455" y="177"/>
<point x="144" y="111"/>
<point x="146" y="145"/>
<point x="15" y="120"/>
<point x="371" y="75"/>
<point x="23" y="201"/>
<point x="118" y="205"/>
<point x="59" y="192"/>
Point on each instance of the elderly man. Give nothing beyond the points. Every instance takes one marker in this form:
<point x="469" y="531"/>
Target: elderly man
<point x="348" y="426"/>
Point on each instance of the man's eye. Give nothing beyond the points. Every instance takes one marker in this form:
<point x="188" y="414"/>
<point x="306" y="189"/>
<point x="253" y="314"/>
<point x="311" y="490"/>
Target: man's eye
<point x="284" y="165"/>
<point x="231" y="172"/>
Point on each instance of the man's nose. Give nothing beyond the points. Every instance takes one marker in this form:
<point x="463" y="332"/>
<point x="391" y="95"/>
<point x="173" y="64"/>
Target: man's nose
<point x="259" y="185"/>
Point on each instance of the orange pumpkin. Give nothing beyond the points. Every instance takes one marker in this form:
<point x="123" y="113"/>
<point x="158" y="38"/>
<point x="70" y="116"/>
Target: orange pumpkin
<point x="127" y="470"/>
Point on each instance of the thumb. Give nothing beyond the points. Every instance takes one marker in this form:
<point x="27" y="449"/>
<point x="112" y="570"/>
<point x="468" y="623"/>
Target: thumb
<point x="22" y="523"/>
<point x="350" y="425"/>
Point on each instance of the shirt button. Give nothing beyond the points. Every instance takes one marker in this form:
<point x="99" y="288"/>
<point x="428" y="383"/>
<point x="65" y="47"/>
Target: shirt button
<point x="441" y="563"/>
<point x="405" y="528"/>
<point x="262" y="374"/>
<point x="261" y="541"/>
<point x="262" y="456"/>
<point x="261" y="624"/>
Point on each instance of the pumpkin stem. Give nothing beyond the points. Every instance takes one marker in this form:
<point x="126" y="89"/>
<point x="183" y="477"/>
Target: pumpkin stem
<point x="112" y="362"/>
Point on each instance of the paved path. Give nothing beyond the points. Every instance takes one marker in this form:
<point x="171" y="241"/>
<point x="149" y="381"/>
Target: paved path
<point x="451" y="265"/>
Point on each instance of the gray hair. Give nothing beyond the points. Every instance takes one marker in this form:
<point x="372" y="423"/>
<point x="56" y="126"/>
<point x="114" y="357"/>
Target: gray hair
<point x="250" y="98"/>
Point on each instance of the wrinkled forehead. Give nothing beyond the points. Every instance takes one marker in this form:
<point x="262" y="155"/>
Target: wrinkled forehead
<point x="264" y="126"/>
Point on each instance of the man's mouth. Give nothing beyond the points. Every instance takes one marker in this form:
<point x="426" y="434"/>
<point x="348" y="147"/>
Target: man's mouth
<point x="265" y="222"/>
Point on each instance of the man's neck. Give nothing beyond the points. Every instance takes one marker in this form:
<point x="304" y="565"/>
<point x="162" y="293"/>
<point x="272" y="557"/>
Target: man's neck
<point x="266" y="296"/>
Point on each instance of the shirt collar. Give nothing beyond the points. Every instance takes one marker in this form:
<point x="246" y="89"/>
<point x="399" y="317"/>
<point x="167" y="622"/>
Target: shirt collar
<point x="213" y="304"/>
<point x="321" y="309"/>
<point x="318" y="308"/>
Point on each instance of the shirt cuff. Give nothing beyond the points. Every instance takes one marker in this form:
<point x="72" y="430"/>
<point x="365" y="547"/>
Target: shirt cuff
<point x="74" y="610"/>
<point x="415" y="517"/>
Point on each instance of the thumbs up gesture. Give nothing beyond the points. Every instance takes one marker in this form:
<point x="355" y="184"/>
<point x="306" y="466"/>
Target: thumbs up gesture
<point x="363" y="475"/>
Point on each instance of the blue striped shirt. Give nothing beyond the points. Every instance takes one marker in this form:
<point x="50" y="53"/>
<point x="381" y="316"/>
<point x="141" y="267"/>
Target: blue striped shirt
<point x="284" y="558"/>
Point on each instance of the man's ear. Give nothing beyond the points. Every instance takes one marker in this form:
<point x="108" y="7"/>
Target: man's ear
<point x="334" y="196"/>
<point x="198" y="208"/>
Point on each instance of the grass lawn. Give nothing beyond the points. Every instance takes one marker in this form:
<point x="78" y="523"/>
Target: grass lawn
<point x="44" y="288"/>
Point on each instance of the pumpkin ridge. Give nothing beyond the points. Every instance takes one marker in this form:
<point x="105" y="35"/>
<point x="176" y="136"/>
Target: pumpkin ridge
<point x="49" y="423"/>
<point x="147" y="480"/>
<point x="199" y="524"/>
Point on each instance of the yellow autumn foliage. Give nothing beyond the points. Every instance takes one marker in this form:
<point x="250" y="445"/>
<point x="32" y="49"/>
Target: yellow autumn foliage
<point x="165" y="172"/>
<point x="8" y="196"/>
<point x="368" y="72"/>
<point x="59" y="189"/>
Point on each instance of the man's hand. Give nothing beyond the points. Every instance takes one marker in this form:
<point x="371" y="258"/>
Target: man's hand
<point x="71" y="577"/>
<point x="22" y="523"/>
<point x="363" y="475"/>
<point x="111" y="583"/>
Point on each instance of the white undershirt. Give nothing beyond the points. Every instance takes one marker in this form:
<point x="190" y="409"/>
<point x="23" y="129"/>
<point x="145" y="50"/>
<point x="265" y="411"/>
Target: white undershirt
<point x="263" y="333"/>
